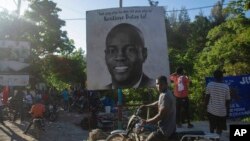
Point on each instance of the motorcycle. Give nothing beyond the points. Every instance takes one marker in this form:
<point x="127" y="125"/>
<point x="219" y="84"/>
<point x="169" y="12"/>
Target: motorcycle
<point x="39" y="126"/>
<point x="135" y="131"/>
<point x="51" y="112"/>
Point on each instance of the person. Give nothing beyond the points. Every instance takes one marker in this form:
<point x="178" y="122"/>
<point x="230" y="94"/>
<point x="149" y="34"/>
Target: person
<point x="65" y="95"/>
<point x="181" y="85"/>
<point x="217" y="101"/>
<point x="166" y="112"/>
<point x="1" y="108"/>
<point x="94" y="107"/>
<point x="19" y="104"/>
<point x="37" y="111"/>
<point x="28" y="99"/>
<point x="107" y="101"/>
<point x="6" y="91"/>
<point x="125" y="54"/>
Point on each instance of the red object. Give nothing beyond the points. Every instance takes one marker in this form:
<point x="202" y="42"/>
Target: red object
<point x="45" y="97"/>
<point x="6" y="92"/>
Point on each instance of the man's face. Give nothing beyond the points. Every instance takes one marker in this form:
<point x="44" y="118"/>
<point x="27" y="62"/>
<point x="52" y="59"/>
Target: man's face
<point x="124" y="58"/>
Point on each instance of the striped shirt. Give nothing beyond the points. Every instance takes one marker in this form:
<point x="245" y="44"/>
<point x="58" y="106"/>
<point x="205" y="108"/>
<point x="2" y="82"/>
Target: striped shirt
<point x="219" y="93"/>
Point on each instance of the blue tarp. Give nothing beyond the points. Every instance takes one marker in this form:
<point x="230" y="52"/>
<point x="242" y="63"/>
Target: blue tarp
<point x="240" y="94"/>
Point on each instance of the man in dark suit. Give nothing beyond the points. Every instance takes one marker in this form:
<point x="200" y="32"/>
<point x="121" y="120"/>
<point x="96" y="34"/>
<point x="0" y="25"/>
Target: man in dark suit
<point x="125" y="54"/>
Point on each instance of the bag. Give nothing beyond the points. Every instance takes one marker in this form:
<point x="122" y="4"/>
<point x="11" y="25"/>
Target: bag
<point x="180" y="86"/>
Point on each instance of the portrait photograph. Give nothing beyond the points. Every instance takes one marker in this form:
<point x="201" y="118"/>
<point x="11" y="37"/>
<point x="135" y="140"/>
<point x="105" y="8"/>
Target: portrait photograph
<point x="126" y="47"/>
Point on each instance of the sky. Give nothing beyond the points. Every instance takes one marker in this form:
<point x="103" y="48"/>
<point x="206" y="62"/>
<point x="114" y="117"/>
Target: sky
<point x="74" y="11"/>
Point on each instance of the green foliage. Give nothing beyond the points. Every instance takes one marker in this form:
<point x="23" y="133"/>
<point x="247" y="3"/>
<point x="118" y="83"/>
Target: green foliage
<point x="217" y="14"/>
<point x="47" y="36"/>
<point x="237" y="8"/>
<point x="61" y="71"/>
<point x="222" y="51"/>
<point x="52" y="52"/>
<point x="140" y="96"/>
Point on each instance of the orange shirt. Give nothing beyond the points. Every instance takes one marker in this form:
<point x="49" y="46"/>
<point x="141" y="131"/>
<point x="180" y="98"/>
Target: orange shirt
<point x="37" y="110"/>
<point x="185" y="82"/>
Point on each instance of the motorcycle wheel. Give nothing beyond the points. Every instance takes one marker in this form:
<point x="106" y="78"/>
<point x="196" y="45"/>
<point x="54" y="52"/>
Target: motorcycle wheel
<point x="117" y="137"/>
<point x="52" y="117"/>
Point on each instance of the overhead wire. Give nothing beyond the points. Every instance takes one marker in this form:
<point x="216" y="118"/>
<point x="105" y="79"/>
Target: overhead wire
<point x="189" y="9"/>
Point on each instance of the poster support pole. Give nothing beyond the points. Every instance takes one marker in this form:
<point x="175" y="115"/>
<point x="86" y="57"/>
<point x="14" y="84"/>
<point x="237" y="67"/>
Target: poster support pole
<point x="119" y="92"/>
<point x="119" y="108"/>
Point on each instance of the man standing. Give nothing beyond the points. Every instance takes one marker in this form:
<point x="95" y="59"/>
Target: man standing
<point x="181" y="84"/>
<point x="166" y="112"/>
<point x="125" y="54"/>
<point x="217" y="101"/>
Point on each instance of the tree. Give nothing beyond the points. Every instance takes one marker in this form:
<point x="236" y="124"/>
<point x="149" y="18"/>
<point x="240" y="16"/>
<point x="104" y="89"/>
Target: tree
<point x="47" y="39"/>
<point x="52" y="53"/>
<point x="63" y="71"/>
<point x="47" y="36"/>
<point x="238" y="8"/>
<point x="228" y="46"/>
<point x="178" y="31"/>
<point x="196" y="42"/>
<point x="217" y="14"/>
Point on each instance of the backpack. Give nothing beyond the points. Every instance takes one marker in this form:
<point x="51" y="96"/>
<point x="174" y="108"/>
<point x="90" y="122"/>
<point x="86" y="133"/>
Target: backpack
<point x="180" y="86"/>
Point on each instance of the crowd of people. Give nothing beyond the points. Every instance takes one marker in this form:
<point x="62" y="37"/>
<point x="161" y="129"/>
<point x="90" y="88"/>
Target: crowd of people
<point x="173" y="109"/>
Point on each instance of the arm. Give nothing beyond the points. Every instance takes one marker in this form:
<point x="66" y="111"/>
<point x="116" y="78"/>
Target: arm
<point x="228" y="97"/>
<point x="32" y="109"/>
<point x="154" y="104"/>
<point x="158" y="116"/>
<point x="207" y="97"/>
<point x="228" y="107"/>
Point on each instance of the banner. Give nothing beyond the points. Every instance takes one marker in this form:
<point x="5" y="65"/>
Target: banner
<point x="14" y="63"/>
<point x="126" y="47"/>
<point x="240" y="94"/>
<point x="14" y="80"/>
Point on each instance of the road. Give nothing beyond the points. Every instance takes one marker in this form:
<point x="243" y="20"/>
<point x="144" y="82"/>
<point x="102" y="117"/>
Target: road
<point x="64" y="129"/>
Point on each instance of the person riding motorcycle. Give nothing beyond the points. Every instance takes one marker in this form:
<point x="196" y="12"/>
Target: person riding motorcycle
<point x="166" y="113"/>
<point x="37" y="112"/>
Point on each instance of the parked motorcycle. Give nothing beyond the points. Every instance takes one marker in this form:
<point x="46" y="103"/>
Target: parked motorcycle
<point x="135" y="131"/>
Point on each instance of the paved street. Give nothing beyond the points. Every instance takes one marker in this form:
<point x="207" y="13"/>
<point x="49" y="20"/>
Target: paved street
<point x="66" y="129"/>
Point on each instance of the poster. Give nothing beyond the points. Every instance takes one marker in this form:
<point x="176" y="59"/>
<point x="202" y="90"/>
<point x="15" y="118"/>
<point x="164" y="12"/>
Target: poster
<point x="14" y="80"/>
<point x="126" y="47"/>
<point x="14" y="56"/>
<point x="14" y="63"/>
<point x="240" y="94"/>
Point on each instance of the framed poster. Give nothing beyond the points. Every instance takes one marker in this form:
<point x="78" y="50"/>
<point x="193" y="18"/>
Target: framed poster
<point x="126" y="47"/>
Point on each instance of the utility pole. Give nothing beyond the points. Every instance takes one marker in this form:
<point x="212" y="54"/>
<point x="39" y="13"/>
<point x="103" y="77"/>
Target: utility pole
<point x="18" y="4"/>
<point x="120" y="3"/>
<point x="19" y="7"/>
